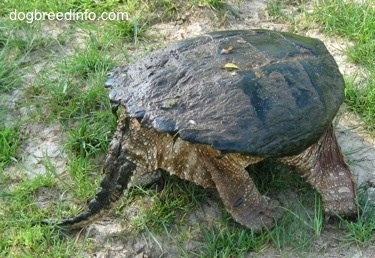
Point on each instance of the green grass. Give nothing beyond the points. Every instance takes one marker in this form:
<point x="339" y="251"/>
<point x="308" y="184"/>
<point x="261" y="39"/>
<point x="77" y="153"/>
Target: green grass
<point x="356" y="23"/>
<point x="279" y="10"/>
<point x="62" y="78"/>
<point x="360" y="99"/>
<point x="10" y="141"/>
<point x="231" y="241"/>
<point x="9" y="74"/>
<point x="19" y="238"/>
<point x="91" y="60"/>
<point x="276" y="8"/>
<point x="168" y="206"/>
<point x="361" y="231"/>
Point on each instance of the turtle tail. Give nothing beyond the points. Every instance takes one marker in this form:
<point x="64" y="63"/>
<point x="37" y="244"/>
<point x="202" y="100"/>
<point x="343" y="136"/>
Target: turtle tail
<point x="105" y="198"/>
<point x="118" y="172"/>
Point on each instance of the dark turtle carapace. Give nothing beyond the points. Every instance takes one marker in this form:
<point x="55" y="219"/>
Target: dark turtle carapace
<point x="205" y="108"/>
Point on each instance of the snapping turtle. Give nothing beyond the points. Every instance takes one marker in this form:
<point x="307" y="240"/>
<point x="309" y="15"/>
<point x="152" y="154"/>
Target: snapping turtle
<point x="205" y="108"/>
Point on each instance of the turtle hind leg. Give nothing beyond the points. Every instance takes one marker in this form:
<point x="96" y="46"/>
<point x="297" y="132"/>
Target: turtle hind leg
<point x="323" y="165"/>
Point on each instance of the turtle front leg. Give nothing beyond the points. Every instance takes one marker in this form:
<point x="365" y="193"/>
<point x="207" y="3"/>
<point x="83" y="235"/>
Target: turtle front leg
<point x="240" y="195"/>
<point x="324" y="167"/>
<point x="118" y="171"/>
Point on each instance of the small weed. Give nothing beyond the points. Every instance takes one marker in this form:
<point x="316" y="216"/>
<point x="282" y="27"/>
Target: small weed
<point x="4" y="35"/>
<point x="362" y="230"/>
<point x="92" y="60"/>
<point x="90" y="137"/>
<point x="273" y="175"/>
<point x="9" y="72"/>
<point x="170" y="205"/>
<point x="128" y="30"/>
<point x="9" y="142"/>
<point x="275" y="8"/>
<point x="9" y="75"/>
<point x="361" y="99"/>
<point x="216" y="4"/>
<point x="231" y="241"/>
<point x="299" y="227"/>
<point x="280" y="9"/>
<point x="83" y="172"/>
<point x="167" y="7"/>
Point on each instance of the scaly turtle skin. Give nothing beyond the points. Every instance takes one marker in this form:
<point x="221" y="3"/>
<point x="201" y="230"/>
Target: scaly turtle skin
<point x="187" y="114"/>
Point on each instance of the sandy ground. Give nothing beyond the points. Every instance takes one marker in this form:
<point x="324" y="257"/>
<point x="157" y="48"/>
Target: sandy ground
<point x="41" y="141"/>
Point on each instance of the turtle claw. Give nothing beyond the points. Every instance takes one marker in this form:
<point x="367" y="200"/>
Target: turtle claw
<point x="263" y="215"/>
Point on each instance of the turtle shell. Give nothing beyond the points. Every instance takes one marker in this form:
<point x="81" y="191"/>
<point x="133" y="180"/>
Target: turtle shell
<point x="256" y="92"/>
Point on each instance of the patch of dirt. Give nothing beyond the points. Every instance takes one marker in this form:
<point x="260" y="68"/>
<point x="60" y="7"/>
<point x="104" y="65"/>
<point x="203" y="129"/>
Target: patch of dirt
<point x="40" y="142"/>
<point x="110" y="234"/>
<point x="358" y="146"/>
<point x="114" y="238"/>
